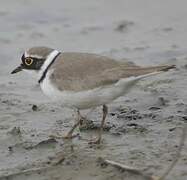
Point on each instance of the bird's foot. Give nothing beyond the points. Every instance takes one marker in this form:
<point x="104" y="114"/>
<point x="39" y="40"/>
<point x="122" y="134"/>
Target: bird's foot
<point x="95" y="141"/>
<point x="68" y="136"/>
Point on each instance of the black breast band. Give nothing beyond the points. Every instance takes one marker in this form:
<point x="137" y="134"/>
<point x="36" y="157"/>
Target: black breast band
<point x="45" y="72"/>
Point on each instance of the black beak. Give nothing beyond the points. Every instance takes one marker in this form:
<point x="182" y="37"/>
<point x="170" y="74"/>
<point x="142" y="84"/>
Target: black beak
<point x="18" y="69"/>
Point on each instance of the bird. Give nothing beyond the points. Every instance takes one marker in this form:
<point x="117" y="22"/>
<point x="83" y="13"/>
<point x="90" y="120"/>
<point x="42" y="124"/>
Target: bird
<point x="83" y="80"/>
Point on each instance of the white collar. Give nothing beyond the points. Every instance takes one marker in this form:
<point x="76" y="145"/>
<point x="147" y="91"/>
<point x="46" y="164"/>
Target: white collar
<point x="47" y="62"/>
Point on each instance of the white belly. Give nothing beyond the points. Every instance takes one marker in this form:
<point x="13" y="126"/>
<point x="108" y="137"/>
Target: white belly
<point x="89" y="98"/>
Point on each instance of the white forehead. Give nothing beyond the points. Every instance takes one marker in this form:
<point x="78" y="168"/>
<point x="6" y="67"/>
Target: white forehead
<point x="26" y="54"/>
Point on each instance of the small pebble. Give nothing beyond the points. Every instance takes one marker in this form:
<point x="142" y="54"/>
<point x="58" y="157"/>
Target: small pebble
<point x="10" y="149"/>
<point x="34" y="107"/>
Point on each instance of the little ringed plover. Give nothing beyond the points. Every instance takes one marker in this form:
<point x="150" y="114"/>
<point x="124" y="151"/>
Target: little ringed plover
<point x="83" y="80"/>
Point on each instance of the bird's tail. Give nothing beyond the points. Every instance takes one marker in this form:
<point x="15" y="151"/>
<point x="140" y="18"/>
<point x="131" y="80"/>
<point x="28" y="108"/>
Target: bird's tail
<point x="163" y="68"/>
<point x="151" y="71"/>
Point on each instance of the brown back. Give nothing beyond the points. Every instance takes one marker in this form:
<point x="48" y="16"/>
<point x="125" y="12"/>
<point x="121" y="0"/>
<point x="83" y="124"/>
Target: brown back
<point x="84" y="71"/>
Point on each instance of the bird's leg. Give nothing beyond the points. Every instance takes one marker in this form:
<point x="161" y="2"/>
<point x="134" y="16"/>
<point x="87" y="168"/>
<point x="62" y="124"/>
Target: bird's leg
<point x="98" y="140"/>
<point x="70" y="135"/>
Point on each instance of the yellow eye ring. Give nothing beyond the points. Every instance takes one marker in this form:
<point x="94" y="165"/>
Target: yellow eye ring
<point x="28" y="61"/>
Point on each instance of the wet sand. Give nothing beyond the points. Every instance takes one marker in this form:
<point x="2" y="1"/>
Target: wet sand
<point x="143" y="128"/>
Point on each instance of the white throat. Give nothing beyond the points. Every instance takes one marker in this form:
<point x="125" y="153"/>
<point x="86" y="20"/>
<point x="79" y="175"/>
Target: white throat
<point x="49" y="59"/>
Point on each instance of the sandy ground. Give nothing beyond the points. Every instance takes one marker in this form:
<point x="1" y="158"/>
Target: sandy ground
<point x="143" y="128"/>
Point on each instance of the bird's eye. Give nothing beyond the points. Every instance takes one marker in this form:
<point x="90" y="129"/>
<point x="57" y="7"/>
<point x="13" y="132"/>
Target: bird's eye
<point x="28" y="61"/>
